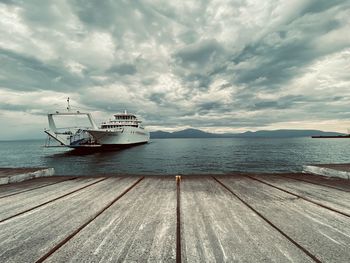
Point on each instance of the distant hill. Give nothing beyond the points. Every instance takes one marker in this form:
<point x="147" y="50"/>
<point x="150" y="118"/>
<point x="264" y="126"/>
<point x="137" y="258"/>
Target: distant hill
<point x="194" y="133"/>
<point x="188" y="133"/>
<point x="286" y="133"/>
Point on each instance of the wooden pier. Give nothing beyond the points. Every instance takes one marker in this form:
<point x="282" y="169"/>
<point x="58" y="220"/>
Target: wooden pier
<point x="219" y="218"/>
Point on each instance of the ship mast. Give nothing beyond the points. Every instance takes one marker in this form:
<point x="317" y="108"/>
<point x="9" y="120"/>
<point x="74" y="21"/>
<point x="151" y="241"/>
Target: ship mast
<point x="68" y="105"/>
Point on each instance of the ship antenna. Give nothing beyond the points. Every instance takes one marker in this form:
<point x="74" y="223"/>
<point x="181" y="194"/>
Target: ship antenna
<point x="68" y="105"/>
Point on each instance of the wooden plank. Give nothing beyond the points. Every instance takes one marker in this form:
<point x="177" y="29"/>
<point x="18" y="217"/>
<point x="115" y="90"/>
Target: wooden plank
<point x="217" y="227"/>
<point x="330" y="197"/>
<point x="26" y="238"/>
<point x="322" y="180"/>
<point x="324" y="233"/>
<point x="15" y="188"/>
<point x="139" y="227"/>
<point x="15" y="204"/>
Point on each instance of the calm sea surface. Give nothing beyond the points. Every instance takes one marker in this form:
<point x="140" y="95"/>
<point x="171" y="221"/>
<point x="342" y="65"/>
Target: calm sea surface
<point x="181" y="156"/>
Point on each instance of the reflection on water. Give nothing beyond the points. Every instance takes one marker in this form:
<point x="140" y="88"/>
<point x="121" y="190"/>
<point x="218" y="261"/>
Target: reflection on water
<point x="180" y="156"/>
<point x="92" y="150"/>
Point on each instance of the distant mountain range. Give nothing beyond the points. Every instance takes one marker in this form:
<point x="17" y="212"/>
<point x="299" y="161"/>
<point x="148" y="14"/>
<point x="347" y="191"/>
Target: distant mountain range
<point x="194" y="133"/>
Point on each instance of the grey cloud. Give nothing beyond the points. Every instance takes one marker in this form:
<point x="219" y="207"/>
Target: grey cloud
<point x="109" y="107"/>
<point x="27" y="73"/>
<point x="13" y="107"/>
<point x="285" y="102"/>
<point x="121" y="18"/>
<point x="266" y="104"/>
<point x="27" y="108"/>
<point x="147" y="81"/>
<point x="209" y="122"/>
<point x="158" y="98"/>
<point x="322" y="5"/>
<point x="210" y="106"/>
<point x="199" y="64"/>
<point x="198" y="81"/>
<point x="278" y="69"/>
<point x="96" y="13"/>
<point x="8" y="2"/>
<point x="200" y="53"/>
<point x="273" y="65"/>
<point x="123" y="69"/>
<point x="189" y="37"/>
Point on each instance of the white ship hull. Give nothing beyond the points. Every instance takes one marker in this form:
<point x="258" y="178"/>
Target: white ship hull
<point x="123" y="137"/>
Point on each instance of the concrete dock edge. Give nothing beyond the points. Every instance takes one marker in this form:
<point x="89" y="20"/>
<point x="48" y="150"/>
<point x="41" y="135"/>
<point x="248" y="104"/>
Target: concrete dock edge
<point x="14" y="178"/>
<point x="324" y="171"/>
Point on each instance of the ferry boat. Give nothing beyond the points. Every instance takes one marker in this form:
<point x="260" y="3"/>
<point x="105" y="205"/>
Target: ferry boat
<point x="124" y="130"/>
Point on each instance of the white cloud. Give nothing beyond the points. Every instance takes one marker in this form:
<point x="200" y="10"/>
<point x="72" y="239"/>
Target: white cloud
<point x="75" y="67"/>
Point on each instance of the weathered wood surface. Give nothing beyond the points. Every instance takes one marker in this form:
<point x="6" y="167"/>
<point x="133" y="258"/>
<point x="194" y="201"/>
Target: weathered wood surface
<point x="333" y="198"/>
<point x="230" y="218"/>
<point x="140" y="227"/>
<point x="322" y="232"/>
<point x="217" y="227"/>
<point x="11" y="189"/>
<point x="13" y="205"/>
<point x="332" y="182"/>
<point x="27" y="237"/>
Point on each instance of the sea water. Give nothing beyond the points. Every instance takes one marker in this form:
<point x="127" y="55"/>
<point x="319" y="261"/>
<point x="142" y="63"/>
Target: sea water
<point x="181" y="156"/>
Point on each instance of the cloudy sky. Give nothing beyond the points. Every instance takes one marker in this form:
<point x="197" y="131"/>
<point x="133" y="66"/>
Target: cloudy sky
<point x="214" y="65"/>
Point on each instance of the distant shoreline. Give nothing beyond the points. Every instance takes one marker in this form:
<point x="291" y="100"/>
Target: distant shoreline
<point x="195" y="133"/>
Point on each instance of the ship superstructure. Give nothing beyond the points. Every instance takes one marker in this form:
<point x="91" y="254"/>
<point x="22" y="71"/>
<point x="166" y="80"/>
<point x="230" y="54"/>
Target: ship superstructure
<point x="125" y="129"/>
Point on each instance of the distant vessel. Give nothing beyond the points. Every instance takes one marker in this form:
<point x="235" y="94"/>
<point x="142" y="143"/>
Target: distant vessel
<point x="124" y="130"/>
<point x="334" y="136"/>
<point x="340" y="136"/>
